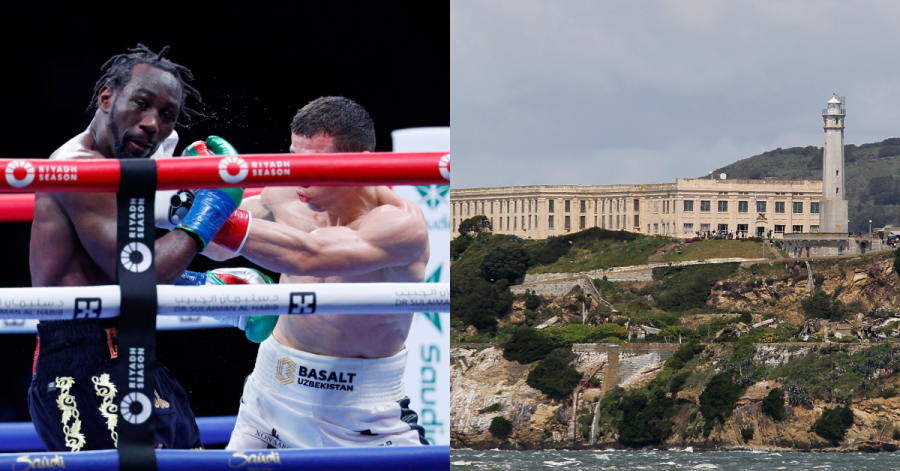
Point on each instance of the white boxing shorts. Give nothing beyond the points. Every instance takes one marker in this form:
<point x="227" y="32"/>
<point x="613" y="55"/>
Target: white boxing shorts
<point x="296" y="399"/>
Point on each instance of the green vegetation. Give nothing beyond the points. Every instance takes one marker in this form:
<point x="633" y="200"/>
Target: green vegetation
<point x="718" y="248"/>
<point x="686" y="288"/>
<point x="773" y="405"/>
<point x="833" y="423"/>
<point x="718" y="399"/>
<point x="508" y="261"/>
<point x="491" y="408"/>
<point x="500" y="427"/>
<point x="822" y="306"/>
<point x="529" y="345"/>
<point x="592" y="249"/>
<point x="554" y="375"/>
<point x="585" y="419"/>
<point x="747" y="433"/>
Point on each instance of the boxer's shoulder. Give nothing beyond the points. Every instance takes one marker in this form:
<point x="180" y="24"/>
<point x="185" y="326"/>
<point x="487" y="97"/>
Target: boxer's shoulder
<point x="79" y="147"/>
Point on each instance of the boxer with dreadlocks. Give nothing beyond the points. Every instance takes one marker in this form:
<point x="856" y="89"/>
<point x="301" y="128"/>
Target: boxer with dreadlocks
<point x="72" y="399"/>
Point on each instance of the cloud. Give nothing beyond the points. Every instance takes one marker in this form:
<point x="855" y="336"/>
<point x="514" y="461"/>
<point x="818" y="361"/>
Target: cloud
<point x="634" y="91"/>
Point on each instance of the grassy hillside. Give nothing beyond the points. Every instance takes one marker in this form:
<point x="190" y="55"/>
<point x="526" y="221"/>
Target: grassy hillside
<point x="872" y="171"/>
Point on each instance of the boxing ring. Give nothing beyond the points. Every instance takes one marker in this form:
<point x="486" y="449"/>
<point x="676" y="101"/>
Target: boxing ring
<point x="24" y="306"/>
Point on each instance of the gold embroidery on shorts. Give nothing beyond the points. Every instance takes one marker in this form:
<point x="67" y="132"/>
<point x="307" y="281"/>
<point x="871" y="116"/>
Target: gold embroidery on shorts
<point x="107" y="390"/>
<point x="66" y="403"/>
<point x="159" y="402"/>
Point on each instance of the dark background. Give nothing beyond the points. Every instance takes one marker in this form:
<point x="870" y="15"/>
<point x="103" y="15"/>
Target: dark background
<point x="254" y="66"/>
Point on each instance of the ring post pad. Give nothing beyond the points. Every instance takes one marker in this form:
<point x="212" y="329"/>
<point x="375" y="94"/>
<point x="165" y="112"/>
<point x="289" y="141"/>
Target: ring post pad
<point x="136" y="276"/>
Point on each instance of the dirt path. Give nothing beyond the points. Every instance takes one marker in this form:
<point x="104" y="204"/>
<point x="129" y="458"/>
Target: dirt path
<point x="658" y="256"/>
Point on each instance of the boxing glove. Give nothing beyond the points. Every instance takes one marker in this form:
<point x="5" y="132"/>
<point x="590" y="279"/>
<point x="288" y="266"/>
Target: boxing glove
<point x="234" y="232"/>
<point x="211" y="208"/>
<point x="256" y="328"/>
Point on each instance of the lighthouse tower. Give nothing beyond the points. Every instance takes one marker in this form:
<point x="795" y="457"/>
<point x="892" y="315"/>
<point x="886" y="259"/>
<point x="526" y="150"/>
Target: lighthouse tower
<point x="833" y="210"/>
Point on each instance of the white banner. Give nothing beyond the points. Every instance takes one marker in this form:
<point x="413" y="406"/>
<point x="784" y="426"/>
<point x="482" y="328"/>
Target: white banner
<point x="427" y="377"/>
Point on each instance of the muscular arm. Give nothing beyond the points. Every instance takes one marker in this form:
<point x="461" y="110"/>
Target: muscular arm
<point x="254" y="206"/>
<point x="386" y="237"/>
<point x="93" y="216"/>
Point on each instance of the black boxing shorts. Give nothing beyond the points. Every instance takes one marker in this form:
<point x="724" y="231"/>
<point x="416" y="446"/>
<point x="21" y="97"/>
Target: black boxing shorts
<point x="73" y="399"/>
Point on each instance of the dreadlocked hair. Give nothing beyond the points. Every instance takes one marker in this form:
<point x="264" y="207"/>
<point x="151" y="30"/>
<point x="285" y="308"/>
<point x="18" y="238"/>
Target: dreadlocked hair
<point x="117" y="73"/>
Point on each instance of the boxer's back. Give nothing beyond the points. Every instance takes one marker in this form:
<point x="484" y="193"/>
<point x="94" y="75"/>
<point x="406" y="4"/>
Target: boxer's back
<point x="56" y="256"/>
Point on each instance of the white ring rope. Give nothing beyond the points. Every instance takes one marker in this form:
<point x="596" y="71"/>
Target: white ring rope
<point x="77" y="302"/>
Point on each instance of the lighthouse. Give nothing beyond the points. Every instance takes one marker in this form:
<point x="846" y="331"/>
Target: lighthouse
<point x="833" y="211"/>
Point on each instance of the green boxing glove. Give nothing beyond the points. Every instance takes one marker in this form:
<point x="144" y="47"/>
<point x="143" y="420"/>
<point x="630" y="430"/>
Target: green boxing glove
<point x="211" y="208"/>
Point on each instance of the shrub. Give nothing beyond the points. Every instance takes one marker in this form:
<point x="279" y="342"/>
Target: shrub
<point x="491" y="408"/>
<point x="688" y="287"/>
<point x="532" y="301"/>
<point x="833" y="423"/>
<point x="718" y="399"/>
<point x="822" y="306"/>
<point x="642" y="418"/>
<point x="527" y="346"/>
<point x="888" y="392"/>
<point x="746" y="317"/>
<point x="747" y="433"/>
<point x="500" y="427"/>
<point x="677" y="382"/>
<point x="508" y="261"/>
<point x="554" y="376"/>
<point x="896" y="434"/>
<point x="773" y="405"/>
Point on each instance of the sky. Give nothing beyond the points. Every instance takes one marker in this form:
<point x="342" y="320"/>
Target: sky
<point x="589" y="92"/>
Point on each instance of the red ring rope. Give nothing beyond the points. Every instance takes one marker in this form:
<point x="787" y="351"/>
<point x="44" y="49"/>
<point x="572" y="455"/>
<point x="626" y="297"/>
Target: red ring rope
<point x="247" y="171"/>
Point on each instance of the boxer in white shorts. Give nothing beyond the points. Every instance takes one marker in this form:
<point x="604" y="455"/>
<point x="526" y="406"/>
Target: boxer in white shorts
<point x="329" y="380"/>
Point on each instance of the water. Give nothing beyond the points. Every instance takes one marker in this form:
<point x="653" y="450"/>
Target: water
<point x="668" y="460"/>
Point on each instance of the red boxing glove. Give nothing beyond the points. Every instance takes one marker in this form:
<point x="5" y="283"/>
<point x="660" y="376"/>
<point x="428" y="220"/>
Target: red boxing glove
<point x="233" y="234"/>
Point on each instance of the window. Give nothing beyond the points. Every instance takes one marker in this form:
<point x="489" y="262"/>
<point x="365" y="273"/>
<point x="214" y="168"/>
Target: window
<point x="567" y="205"/>
<point x="743" y="206"/>
<point x="779" y="228"/>
<point x="723" y="227"/>
<point x="655" y="228"/>
<point x="581" y="223"/>
<point x="813" y="209"/>
<point x="492" y="207"/>
<point x="595" y="221"/>
<point x="454" y="225"/>
<point x="551" y="210"/>
<point x="454" y="210"/>
<point x="637" y="222"/>
<point x="507" y="223"/>
<point x="814" y="228"/>
<point x="550" y="222"/>
<point x="723" y="206"/>
<point x="617" y="222"/>
<point x="637" y="206"/>
<point x="760" y="206"/>
<point x="568" y="223"/>
<point x="583" y="206"/>
<point x="688" y="228"/>
<point x="515" y="206"/>
<point x="529" y="222"/>
<point x="515" y="223"/>
<point x="501" y="224"/>
<point x="704" y="227"/>
<point x="704" y="206"/>
<point x="688" y="206"/>
<point x="742" y="229"/>
<point x="797" y="229"/>
<point x="798" y="208"/>
<point x="779" y="208"/>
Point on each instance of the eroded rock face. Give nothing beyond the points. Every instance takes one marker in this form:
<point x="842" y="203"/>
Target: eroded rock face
<point x="492" y="379"/>
<point x="541" y="423"/>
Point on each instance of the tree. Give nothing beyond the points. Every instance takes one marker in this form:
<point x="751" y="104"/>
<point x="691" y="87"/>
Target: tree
<point x="500" y="427"/>
<point x="507" y="261"/>
<point x="773" y="405"/>
<point x="718" y="399"/>
<point x="554" y="375"/>
<point x="471" y="228"/>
